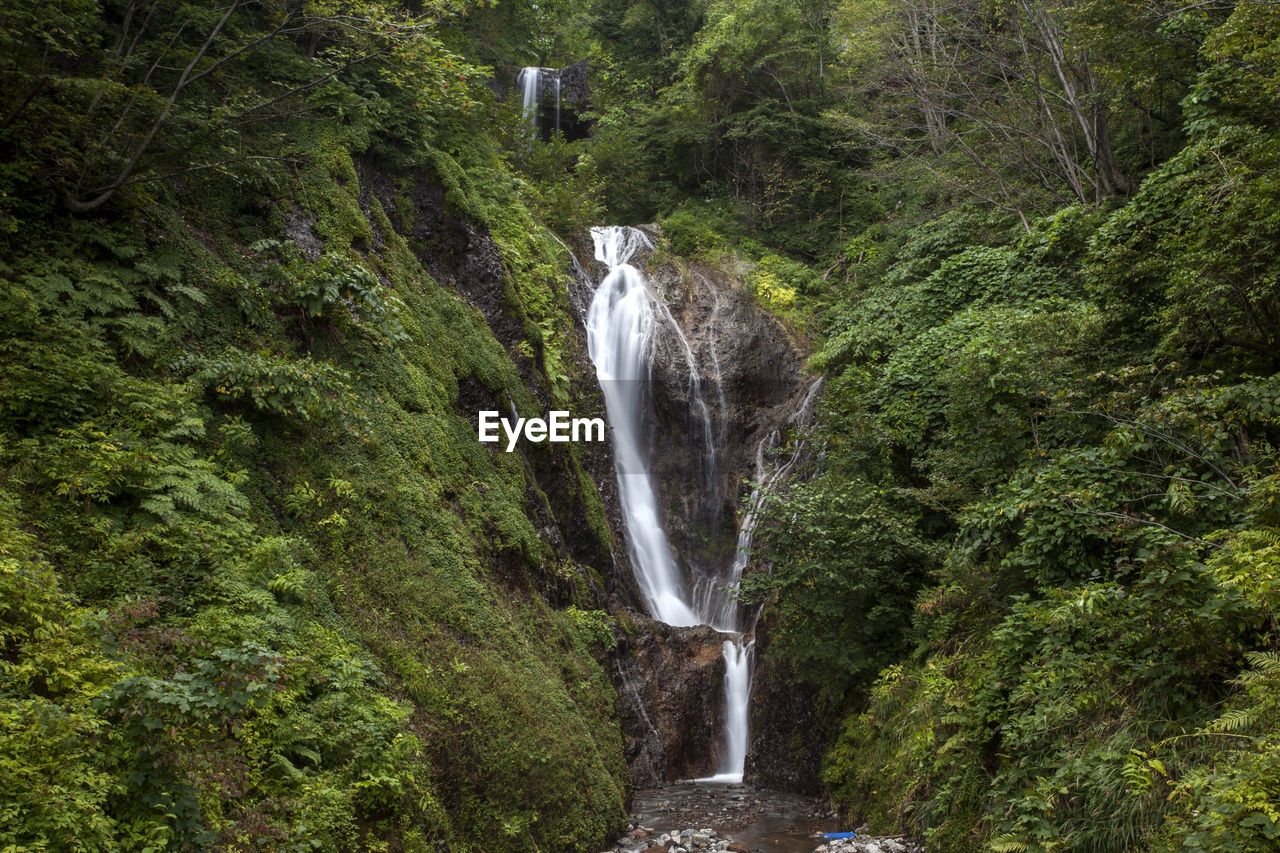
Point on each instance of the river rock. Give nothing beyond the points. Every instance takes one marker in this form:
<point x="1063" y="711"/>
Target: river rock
<point x="871" y="844"/>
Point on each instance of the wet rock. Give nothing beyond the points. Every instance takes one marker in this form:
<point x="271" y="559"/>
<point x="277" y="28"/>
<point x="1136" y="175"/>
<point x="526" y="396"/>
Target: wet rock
<point x="666" y="675"/>
<point x="788" y="731"/>
<point x="751" y="378"/>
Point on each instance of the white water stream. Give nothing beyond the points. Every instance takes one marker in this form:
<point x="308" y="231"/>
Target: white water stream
<point x="529" y="85"/>
<point x="620" y="324"/>
<point x="527" y="81"/>
<point x="619" y="327"/>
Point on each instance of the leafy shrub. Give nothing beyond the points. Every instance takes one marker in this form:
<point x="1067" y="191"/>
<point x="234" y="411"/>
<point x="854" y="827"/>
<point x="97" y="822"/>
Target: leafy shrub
<point x="304" y="388"/>
<point x="57" y="776"/>
<point x="697" y="229"/>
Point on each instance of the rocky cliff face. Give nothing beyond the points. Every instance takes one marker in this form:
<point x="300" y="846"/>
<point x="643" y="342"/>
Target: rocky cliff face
<point x="751" y="380"/>
<point x="670" y="682"/>
<point x="725" y="375"/>
<point x="789" y="729"/>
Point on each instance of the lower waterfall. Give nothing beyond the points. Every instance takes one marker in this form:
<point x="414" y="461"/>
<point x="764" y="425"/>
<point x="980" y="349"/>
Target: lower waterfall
<point x="737" y="706"/>
<point x="620" y="326"/>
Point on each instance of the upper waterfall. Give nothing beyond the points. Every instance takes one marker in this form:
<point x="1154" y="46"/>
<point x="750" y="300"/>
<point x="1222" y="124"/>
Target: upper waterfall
<point x="529" y="82"/>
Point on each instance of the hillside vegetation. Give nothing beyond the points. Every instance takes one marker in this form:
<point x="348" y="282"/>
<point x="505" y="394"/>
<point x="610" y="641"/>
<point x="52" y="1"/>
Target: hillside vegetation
<point x="262" y="588"/>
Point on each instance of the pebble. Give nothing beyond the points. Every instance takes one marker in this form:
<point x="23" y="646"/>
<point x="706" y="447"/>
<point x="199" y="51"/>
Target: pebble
<point x="705" y="840"/>
<point x="724" y="807"/>
<point x="871" y="844"/>
<point x="641" y="839"/>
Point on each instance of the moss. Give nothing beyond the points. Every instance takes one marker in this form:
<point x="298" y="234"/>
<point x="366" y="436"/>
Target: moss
<point x="378" y="544"/>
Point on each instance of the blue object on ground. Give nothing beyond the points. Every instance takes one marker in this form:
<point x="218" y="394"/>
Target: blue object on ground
<point x="829" y="835"/>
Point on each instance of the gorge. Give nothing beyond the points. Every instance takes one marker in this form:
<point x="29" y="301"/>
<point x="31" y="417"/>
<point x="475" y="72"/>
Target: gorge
<point x="931" y="377"/>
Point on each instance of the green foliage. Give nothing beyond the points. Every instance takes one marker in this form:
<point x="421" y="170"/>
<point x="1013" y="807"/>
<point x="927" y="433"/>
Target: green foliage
<point x="739" y="121"/>
<point x="57" y="779"/>
<point x="336" y="284"/>
<point x="591" y="628"/>
<point x="1078" y="425"/>
<point x="124" y="98"/>
<point x="697" y="229"/>
<point x="842" y="606"/>
<point x="565" y="189"/>
<point x="305" y="388"/>
<point x="255" y="561"/>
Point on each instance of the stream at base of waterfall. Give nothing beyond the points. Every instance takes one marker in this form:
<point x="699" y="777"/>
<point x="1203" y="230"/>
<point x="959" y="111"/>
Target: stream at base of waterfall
<point x="723" y="818"/>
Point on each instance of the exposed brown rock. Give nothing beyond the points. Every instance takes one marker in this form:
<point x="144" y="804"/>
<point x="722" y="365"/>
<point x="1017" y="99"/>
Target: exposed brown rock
<point x="752" y="380"/>
<point x="671" y="683"/>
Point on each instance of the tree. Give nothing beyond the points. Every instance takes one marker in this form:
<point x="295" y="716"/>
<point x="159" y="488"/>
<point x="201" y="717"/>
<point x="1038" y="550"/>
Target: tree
<point x="177" y="87"/>
<point x="1014" y="104"/>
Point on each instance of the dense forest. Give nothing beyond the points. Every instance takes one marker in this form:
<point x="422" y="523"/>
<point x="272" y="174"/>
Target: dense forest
<point x="262" y="260"/>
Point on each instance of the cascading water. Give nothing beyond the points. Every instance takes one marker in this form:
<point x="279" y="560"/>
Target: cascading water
<point x="529" y="82"/>
<point x="737" y="700"/>
<point x="529" y="85"/>
<point x="620" y="323"/>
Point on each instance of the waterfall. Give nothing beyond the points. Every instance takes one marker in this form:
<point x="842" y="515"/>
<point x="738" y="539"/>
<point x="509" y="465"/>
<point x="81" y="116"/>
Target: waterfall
<point x="528" y="81"/>
<point x="620" y="323"/>
<point x="737" y="699"/>
<point x="529" y="84"/>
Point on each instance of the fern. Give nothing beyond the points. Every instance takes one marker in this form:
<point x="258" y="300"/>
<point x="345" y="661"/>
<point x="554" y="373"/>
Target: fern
<point x="1266" y="666"/>
<point x="1236" y="720"/>
<point x="1263" y="683"/>
<point x="304" y="388"/>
